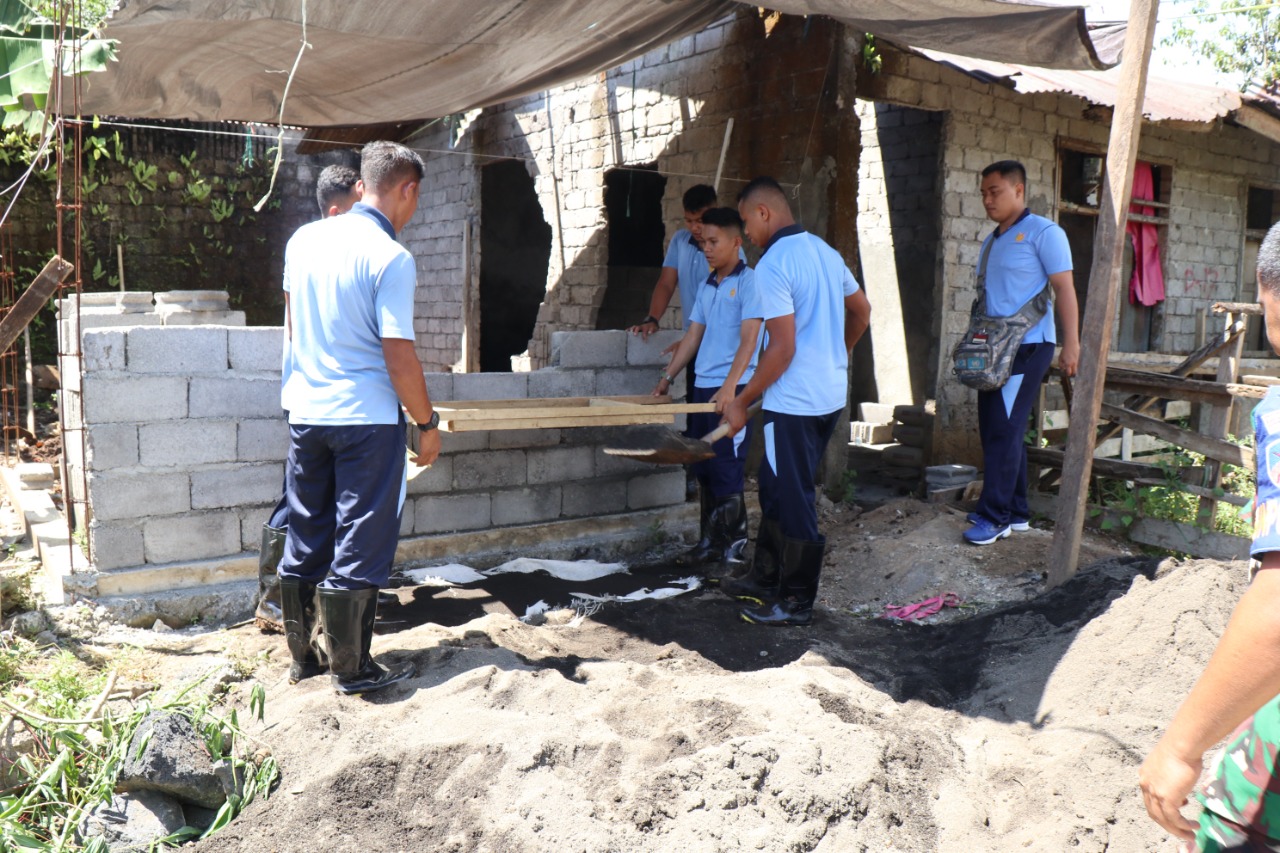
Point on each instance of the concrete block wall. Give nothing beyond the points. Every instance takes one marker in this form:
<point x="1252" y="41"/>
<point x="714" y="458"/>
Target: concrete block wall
<point x="669" y="107"/>
<point x="984" y="122"/>
<point x="184" y="444"/>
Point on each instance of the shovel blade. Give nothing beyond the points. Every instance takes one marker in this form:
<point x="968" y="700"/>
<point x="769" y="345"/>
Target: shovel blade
<point x="661" y="447"/>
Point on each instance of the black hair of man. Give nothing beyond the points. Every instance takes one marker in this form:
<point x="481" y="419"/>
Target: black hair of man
<point x="384" y="164"/>
<point x="335" y="184"/>
<point x="763" y="188"/>
<point x="723" y="217"/>
<point x="1010" y="170"/>
<point x="1269" y="261"/>
<point x="699" y="197"/>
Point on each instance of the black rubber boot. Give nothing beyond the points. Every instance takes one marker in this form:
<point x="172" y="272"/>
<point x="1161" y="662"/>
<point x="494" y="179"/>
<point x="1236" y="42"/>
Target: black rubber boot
<point x="347" y="616"/>
<point x="695" y="556"/>
<point x="268" y="615"/>
<point x="759" y="582"/>
<point x="726" y="540"/>
<point x="801" y="570"/>
<point x="298" y="604"/>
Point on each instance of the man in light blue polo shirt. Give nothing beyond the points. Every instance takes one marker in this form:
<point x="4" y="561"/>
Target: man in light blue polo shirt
<point x="1024" y="254"/>
<point x="349" y="314"/>
<point x="814" y="313"/>
<point x="684" y="267"/>
<point x="724" y="334"/>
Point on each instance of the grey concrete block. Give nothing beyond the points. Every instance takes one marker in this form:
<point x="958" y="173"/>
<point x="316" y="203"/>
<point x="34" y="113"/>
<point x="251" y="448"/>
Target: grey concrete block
<point x="649" y="353"/>
<point x="233" y="486"/>
<point x="235" y="397"/>
<point x="115" y="546"/>
<point x="463" y="442"/>
<point x="440" y="386"/>
<point x="875" y="413"/>
<point x="625" y="382"/>
<point x="561" y="464"/>
<point x="132" y="494"/>
<point x="256" y="348"/>
<point x="593" y="349"/>
<point x="526" y="506"/>
<point x="196" y="536"/>
<point x="181" y="350"/>
<point x="451" y="512"/>
<point x="130" y="399"/>
<point x="111" y="446"/>
<point x="186" y="443"/>
<point x="495" y="469"/>
<point x="595" y="497"/>
<point x="202" y="318"/>
<point x="407" y="518"/>
<point x="262" y="440"/>
<point x="651" y="490"/>
<point x="490" y="386"/>
<point x="559" y="382"/>
<point x="68" y="325"/>
<point x="252" y="519"/>
<point x="505" y="439"/>
<point x="185" y="297"/>
<point x="103" y="349"/>
<point x="431" y="481"/>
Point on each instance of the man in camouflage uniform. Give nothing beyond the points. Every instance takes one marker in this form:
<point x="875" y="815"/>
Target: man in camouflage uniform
<point x="1240" y="687"/>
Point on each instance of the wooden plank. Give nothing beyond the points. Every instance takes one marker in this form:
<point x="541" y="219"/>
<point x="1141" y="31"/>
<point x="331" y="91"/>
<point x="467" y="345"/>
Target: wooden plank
<point x="1260" y="122"/>
<point x="1251" y="308"/>
<point x="546" y="402"/>
<point x="555" y="413"/>
<point x="1258" y="379"/>
<point x="1104" y="285"/>
<point x="32" y="300"/>
<point x="1116" y="469"/>
<point x="554" y="423"/>
<point x="1189" y="539"/>
<point x="470" y="304"/>
<point x="1213" y="448"/>
<point x="1220" y="422"/>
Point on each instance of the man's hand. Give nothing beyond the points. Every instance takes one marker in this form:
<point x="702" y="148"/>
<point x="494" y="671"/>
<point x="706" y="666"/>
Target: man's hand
<point x="428" y="448"/>
<point x="1069" y="359"/>
<point x="1166" y="780"/>
<point x="661" y="389"/>
<point x="735" y="415"/>
<point x="671" y="349"/>
<point x="724" y="397"/>
<point x="645" y="329"/>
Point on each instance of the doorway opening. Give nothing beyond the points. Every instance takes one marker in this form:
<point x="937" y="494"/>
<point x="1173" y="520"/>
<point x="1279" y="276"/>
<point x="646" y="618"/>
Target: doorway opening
<point x="515" y="251"/>
<point x="633" y="205"/>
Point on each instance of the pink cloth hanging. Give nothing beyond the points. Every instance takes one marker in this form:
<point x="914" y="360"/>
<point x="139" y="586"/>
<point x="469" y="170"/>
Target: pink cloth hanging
<point x="1146" y="286"/>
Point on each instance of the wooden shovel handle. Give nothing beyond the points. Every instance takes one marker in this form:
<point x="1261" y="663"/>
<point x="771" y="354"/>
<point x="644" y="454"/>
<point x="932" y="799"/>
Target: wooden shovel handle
<point x="723" y="430"/>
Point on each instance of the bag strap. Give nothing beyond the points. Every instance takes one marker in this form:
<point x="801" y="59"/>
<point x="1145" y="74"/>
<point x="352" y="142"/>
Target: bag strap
<point x="980" y="302"/>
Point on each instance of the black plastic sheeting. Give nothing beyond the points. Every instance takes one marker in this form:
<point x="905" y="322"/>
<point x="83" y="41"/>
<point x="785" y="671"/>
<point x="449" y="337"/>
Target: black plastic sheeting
<point x="376" y="61"/>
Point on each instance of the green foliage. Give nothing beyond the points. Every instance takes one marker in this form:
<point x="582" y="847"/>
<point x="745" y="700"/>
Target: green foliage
<point x="849" y="487"/>
<point x="871" y="58"/>
<point x="1246" y="41"/>
<point x="144" y="173"/>
<point x="221" y="209"/>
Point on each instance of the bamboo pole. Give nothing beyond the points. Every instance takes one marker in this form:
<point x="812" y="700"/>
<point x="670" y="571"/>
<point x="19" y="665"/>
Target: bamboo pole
<point x="1104" y="285"/>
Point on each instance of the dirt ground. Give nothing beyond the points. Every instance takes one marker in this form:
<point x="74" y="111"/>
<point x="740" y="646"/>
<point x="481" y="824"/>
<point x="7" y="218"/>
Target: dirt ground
<point x="1015" y="723"/>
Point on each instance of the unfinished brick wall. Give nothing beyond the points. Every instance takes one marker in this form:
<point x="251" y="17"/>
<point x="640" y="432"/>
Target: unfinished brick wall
<point x="669" y="107"/>
<point x="185" y="447"/>
<point x="984" y="122"/>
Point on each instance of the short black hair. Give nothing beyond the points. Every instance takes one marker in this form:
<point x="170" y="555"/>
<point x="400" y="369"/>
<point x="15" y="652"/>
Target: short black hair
<point x="763" y="185"/>
<point x="1007" y="169"/>
<point x="1268" y="261"/>
<point x="335" y="184"/>
<point x="723" y="217"/>
<point x="383" y="164"/>
<point x="699" y="197"/>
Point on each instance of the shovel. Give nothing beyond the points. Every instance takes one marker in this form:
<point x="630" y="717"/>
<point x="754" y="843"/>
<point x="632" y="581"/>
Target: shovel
<point x="663" y="446"/>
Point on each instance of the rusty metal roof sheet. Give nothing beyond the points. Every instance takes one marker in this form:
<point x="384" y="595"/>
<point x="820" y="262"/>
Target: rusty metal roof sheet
<point x="1166" y="100"/>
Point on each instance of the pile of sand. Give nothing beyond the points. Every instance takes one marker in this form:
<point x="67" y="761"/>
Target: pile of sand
<point x="671" y="726"/>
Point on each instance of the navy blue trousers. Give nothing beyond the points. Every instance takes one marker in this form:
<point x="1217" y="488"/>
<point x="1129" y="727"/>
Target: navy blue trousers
<point x="1002" y="425"/>
<point x="723" y="474"/>
<point x="344" y="488"/>
<point x="793" y="448"/>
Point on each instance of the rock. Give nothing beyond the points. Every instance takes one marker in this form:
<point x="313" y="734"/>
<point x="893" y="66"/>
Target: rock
<point x="160" y="627"/>
<point x="30" y="624"/>
<point x="174" y="762"/>
<point x="133" y="821"/>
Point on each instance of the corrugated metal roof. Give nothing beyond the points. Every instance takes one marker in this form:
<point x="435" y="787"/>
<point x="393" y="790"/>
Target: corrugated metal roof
<point x="1166" y="100"/>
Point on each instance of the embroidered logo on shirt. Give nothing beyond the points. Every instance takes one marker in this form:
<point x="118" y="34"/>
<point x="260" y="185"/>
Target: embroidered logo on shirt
<point x="1022" y="235"/>
<point x="733" y="292"/>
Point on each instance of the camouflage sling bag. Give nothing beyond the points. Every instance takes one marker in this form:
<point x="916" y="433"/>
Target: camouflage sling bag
<point x="983" y="358"/>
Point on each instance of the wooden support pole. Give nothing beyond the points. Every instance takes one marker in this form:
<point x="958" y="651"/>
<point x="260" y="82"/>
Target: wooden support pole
<point x="32" y="300"/>
<point x="1104" y="285"/>
<point x="1213" y="448"/>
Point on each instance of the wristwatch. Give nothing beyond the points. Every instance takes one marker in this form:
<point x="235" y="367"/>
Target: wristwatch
<point x="432" y="422"/>
<point x="650" y="319"/>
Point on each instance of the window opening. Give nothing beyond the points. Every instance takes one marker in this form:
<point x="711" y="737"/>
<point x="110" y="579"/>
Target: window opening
<point x="637" y="245"/>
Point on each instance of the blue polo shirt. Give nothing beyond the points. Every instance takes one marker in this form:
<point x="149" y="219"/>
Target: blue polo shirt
<point x="721" y="307"/>
<point x="1021" y="261"/>
<point x="800" y="274"/>
<point x="1266" y="513"/>
<point x="685" y="256"/>
<point x="350" y="285"/>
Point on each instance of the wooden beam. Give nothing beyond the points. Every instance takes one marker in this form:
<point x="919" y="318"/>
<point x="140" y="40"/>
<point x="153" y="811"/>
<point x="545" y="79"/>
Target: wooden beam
<point x="554" y="423"/>
<point x="1104" y="285"/>
<point x="1261" y="123"/>
<point x="32" y="300"/>
<point x="1213" y="448"/>
<point x="1219" y="423"/>
<point x="1252" y="308"/>
<point x="1116" y="469"/>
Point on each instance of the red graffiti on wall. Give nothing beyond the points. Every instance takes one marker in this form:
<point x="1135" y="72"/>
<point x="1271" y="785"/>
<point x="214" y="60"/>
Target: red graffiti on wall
<point x="1203" y="283"/>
